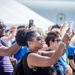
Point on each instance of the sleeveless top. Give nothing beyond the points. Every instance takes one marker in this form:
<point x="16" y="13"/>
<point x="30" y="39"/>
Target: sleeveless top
<point x="37" y="70"/>
<point x="6" y="67"/>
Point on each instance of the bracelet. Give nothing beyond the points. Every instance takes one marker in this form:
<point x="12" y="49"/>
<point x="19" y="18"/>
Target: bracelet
<point x="40" y="53"/>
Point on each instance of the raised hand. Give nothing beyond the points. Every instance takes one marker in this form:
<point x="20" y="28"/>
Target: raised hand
<point x="68" y="36"/>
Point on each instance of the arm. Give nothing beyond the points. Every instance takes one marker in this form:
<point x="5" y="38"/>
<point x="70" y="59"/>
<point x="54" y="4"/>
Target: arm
<point x="43" y="61"/>
<point x="72" y="64"/>
<point x="67" y="37"/>
<point x="12" y="35"/>
<point x="9" y="51"/>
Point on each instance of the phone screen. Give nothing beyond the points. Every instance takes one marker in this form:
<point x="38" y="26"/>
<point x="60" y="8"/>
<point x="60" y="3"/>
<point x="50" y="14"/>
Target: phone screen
<point x="71" y="26"/>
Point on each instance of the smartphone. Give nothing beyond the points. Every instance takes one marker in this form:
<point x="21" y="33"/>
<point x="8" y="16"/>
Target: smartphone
<point x="71" y="26"/>
<point x="31" y="22"/>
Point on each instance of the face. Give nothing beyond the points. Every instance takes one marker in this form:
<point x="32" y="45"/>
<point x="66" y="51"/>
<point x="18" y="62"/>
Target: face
<point x="56" y="43"/>
<point x="2" y="30"/>
<point x="37" y="41"/>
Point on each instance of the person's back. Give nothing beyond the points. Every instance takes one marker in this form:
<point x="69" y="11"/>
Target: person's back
<point x="58" y="66"/>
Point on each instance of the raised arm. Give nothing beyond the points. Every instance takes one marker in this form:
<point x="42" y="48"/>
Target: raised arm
<point x="43" y="61"/>
<point x="46" y="53"/>
<point x="4" y="51"/>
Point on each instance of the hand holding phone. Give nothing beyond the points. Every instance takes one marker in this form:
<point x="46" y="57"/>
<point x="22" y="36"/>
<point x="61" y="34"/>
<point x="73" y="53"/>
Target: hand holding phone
<point x="31" y="21"/>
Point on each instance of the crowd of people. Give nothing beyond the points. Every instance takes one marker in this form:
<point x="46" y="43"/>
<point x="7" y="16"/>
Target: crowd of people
<point x="45" y="52"/>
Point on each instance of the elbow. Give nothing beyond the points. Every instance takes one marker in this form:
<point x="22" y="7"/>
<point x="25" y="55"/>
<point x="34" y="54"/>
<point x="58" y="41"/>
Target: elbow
<point x="52" y="62"/>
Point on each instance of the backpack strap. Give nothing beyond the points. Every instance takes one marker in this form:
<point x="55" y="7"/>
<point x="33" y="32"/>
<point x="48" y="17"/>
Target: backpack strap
<point x="3" y="43"/>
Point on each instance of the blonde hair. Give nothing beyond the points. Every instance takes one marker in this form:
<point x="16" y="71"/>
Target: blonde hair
<point x="41" y="32"/>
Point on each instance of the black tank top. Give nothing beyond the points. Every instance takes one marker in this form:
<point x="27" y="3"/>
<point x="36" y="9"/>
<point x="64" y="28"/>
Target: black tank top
<point x="37" y="70"/>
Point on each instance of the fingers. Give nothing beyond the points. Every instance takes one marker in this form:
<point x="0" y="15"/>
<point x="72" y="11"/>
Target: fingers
<point x="72" y="34"/>
<point x="68" y="30"/>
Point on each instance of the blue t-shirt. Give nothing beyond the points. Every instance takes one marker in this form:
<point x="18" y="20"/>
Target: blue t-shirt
<point x="61" y="65"/>
<point x="64" y="63"/>
<point x="23" y="50"/>
<point x="70" y="50"/>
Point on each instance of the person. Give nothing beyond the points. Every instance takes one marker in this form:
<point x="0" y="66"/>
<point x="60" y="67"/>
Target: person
<point x="62" y="29"/>
<point x="7" y="39"/>
<point x="6" y="67"/>
<point x="72" y="42"/>
<point x="20" y="53"/>
<point x="71" y="54"/>
<point x="72" y="62"/>
<point x="53" y="40"/>
<point x="34" y="41"/>
<point x="7" y="51"/>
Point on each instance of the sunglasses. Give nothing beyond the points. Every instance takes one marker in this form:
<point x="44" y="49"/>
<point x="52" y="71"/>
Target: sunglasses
<point x="58" y="40"/>
<point x="40" y="38"/>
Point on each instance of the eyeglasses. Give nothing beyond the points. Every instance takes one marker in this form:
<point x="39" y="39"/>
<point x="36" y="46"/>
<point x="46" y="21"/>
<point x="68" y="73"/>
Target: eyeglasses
<point x="2" y="28"/>
<point x="40" y="38"/>
<point x="58" y="40"/>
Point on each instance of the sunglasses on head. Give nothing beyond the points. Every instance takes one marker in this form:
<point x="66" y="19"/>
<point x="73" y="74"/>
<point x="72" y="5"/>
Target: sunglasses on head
<point x="58" y="40"/>
<point x="39" y="38"/>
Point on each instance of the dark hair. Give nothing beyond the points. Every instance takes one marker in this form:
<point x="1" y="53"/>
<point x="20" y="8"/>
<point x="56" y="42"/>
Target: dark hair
<point x="51" y="37"/>
<point x="2" y="26"/>
<point x="55" y="26"/>
<point x="22" y="36"/>
<point x="21" y="26"/>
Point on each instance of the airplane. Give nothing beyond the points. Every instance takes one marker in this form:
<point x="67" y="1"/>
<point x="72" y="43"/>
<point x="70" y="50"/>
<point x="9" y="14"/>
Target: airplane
<point x="57" y="11"/>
